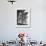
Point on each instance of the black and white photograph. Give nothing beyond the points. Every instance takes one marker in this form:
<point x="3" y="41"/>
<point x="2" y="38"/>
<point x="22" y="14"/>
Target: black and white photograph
<point x="23" y="18"/>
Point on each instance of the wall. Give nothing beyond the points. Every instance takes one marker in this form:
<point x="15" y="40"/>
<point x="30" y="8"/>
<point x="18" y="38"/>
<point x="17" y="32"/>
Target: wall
<point x="8" y="28"/>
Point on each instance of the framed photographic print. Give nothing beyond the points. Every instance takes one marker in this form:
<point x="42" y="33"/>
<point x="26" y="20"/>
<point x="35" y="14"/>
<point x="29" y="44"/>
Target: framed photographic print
<point x="23" y="17"/>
